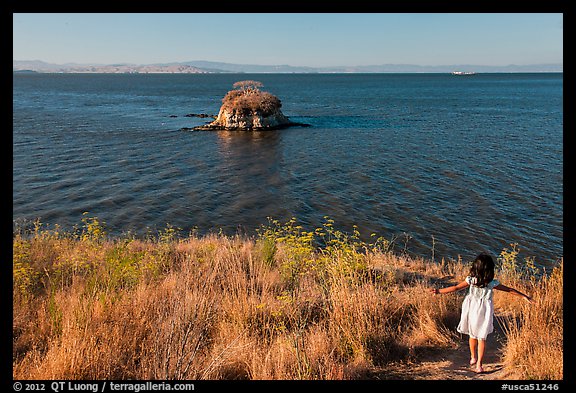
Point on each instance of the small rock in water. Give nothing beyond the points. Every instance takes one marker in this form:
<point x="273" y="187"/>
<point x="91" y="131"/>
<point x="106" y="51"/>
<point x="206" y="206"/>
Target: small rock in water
<point x="201" y="115"/>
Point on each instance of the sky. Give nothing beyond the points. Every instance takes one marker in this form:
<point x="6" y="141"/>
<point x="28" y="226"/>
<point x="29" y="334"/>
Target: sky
<point x="297" y="39"/>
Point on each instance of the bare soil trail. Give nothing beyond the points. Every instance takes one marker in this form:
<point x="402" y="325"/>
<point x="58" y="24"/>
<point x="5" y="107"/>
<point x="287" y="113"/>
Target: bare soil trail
<point x="452" y="363"/>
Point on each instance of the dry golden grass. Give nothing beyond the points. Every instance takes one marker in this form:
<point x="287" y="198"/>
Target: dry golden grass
<point x="273" y="307"/>
<point x="534" y="347"/>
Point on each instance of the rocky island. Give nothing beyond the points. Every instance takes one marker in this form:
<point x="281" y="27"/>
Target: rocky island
<point x="247" y="108"/>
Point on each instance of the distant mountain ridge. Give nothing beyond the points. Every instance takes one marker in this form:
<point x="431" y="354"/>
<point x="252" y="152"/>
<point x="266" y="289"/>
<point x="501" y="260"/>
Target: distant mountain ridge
<point x="203" y="66"/>
<point x="40" y="66"/>
<point x="382" y="68"/>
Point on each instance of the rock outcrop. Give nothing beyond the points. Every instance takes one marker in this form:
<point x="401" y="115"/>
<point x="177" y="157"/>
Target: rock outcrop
<point x="247" y="108"/>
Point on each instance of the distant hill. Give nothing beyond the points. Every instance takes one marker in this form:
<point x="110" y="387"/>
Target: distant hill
<point x="34" y="65"/>
<point x="181" y="67"/>
<point x="249" y="68"/>
<point x="203" y="66"/>
<point x="382" y="68"/>
<point x="39" y="66"/>
<point x="411" y="68"/>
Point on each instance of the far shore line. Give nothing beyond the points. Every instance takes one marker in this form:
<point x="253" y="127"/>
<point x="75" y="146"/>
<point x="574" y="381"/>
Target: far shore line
<point x="280" y="73"/>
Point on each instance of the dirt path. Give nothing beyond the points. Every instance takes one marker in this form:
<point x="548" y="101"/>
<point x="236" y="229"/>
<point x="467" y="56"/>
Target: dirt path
<point x="452" y="363"/>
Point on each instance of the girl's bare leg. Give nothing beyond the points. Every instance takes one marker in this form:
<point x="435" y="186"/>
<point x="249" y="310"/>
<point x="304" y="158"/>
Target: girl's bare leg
<point x="473" y="345"/>
<point x="481" y="348"/>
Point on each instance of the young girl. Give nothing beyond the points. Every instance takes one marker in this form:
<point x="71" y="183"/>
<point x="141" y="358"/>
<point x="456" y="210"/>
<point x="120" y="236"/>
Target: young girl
<point x="477" y="315"/>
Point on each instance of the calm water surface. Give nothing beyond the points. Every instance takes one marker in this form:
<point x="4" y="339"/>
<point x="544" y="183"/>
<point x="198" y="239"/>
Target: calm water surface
<point x="461" y="163"/>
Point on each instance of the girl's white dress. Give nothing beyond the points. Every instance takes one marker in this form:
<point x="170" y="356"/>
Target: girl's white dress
<point x="478" y="310"/>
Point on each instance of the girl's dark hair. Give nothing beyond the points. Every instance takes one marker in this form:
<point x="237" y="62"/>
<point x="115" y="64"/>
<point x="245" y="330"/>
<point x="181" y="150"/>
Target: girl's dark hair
<point x="483" y="269"/>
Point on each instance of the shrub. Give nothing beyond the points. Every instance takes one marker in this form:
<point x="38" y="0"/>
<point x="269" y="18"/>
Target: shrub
<point x="248" y="99"/>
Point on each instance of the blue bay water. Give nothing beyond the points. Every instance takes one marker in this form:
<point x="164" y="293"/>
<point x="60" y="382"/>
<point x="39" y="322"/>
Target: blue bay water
<point x="457" y="165"/>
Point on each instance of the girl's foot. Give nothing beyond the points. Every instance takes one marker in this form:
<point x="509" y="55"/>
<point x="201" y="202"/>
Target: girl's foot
<point x="479" y="369"/>
<point x="472" y="361"/>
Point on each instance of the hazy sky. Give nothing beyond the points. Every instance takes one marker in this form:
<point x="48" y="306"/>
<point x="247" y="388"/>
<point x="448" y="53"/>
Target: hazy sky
<point x="296" y="39"/>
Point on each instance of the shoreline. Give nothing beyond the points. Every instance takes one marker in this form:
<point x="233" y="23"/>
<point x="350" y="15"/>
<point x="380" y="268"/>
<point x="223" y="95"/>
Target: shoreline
<point x="399" y="243"/>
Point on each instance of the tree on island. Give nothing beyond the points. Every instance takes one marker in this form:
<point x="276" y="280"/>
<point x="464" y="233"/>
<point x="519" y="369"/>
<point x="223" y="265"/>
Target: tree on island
<point x="248" y="87"/>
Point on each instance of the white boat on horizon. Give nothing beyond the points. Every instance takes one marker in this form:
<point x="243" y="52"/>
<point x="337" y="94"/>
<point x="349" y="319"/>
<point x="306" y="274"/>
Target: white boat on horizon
<point x="463" y="73"/>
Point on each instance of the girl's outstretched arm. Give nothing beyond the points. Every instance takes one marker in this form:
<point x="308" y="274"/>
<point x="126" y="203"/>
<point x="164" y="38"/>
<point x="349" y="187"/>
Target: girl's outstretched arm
<point x="453" y="288"/>
<point x="504" y="288"/>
